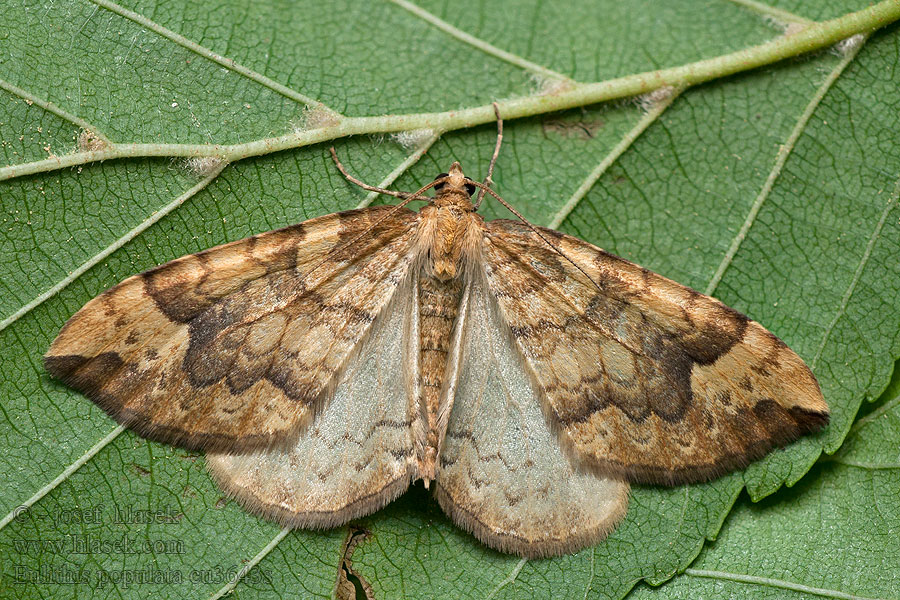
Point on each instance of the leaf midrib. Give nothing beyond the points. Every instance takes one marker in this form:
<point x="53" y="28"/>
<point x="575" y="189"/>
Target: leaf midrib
<point x="811" y="38"/>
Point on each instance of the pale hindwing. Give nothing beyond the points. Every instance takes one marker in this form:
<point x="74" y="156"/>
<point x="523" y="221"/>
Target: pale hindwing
<point x="646" y="379"/>
<point x="501" y="471"/>
<point x="357" y="454"/>
<point x="231" y="349"/>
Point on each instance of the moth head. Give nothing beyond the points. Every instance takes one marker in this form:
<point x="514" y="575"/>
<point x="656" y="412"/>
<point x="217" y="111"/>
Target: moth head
<point x="454" y="181"/>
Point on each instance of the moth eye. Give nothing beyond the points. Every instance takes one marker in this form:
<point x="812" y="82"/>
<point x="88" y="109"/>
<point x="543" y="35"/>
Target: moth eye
<point x="470" y="187"/>
<point x="440" y="185"/>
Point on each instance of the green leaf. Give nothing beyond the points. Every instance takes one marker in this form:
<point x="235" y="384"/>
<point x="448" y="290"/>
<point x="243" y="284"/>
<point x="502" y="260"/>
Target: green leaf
<point x="833" y="535"/>
<point x="775" y="189"/>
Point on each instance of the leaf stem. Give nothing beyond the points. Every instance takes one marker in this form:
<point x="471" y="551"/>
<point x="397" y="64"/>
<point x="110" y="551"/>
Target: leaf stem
<point x="811" y="38"/>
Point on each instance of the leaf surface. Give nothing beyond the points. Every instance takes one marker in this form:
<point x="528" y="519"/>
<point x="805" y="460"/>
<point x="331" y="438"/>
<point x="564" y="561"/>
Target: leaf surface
<point x="832" y="535"/>
<point x="775" y="189"/>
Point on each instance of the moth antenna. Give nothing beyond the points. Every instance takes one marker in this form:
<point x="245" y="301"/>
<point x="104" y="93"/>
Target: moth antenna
<point x="536" y="230"/>
<point x="371" y="188"/>
<point x="488" y="181"/>
<point x="407" y="199"/>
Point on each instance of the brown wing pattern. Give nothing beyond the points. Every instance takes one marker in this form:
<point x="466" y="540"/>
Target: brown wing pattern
<point x="230" y="349"/>
<point x="647" y="379"/>
<point x="358" y="452"/>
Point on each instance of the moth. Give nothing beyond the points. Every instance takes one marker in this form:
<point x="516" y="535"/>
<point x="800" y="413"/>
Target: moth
<point x="526" y="375"/>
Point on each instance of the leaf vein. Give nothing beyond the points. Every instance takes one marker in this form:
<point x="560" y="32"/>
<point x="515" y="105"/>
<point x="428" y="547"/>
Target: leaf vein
<point x="478" y="43"/>
<point x="391" y="177"/>
<point x="250" y="564"/>
<point x="861" y="464"/>
<point x="876" y="233"/>
<point x="618" y="150"/>
<point x="156" y="216"/>
<point x="51" y="108"/>
<point x="773" y="12"/>
<point x="781" y="158"/>
<point x="511" y="578"/>
<point x="228" y="63"/>
<point x="62" y="476"/>
<point x="875" y="414"/>
<point x="809" y="39"/>
<point x="777" y="583"/>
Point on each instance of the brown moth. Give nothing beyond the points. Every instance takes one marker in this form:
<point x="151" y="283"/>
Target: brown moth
<point x="528" y="375"/>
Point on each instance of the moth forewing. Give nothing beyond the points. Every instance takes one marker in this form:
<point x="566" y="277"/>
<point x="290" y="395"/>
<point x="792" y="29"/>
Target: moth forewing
<point x="647" y="380"/>
<point x="231" y="349"/>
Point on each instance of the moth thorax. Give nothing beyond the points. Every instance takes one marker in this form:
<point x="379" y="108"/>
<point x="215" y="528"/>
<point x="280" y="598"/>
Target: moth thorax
<point x="454" y="238"/>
